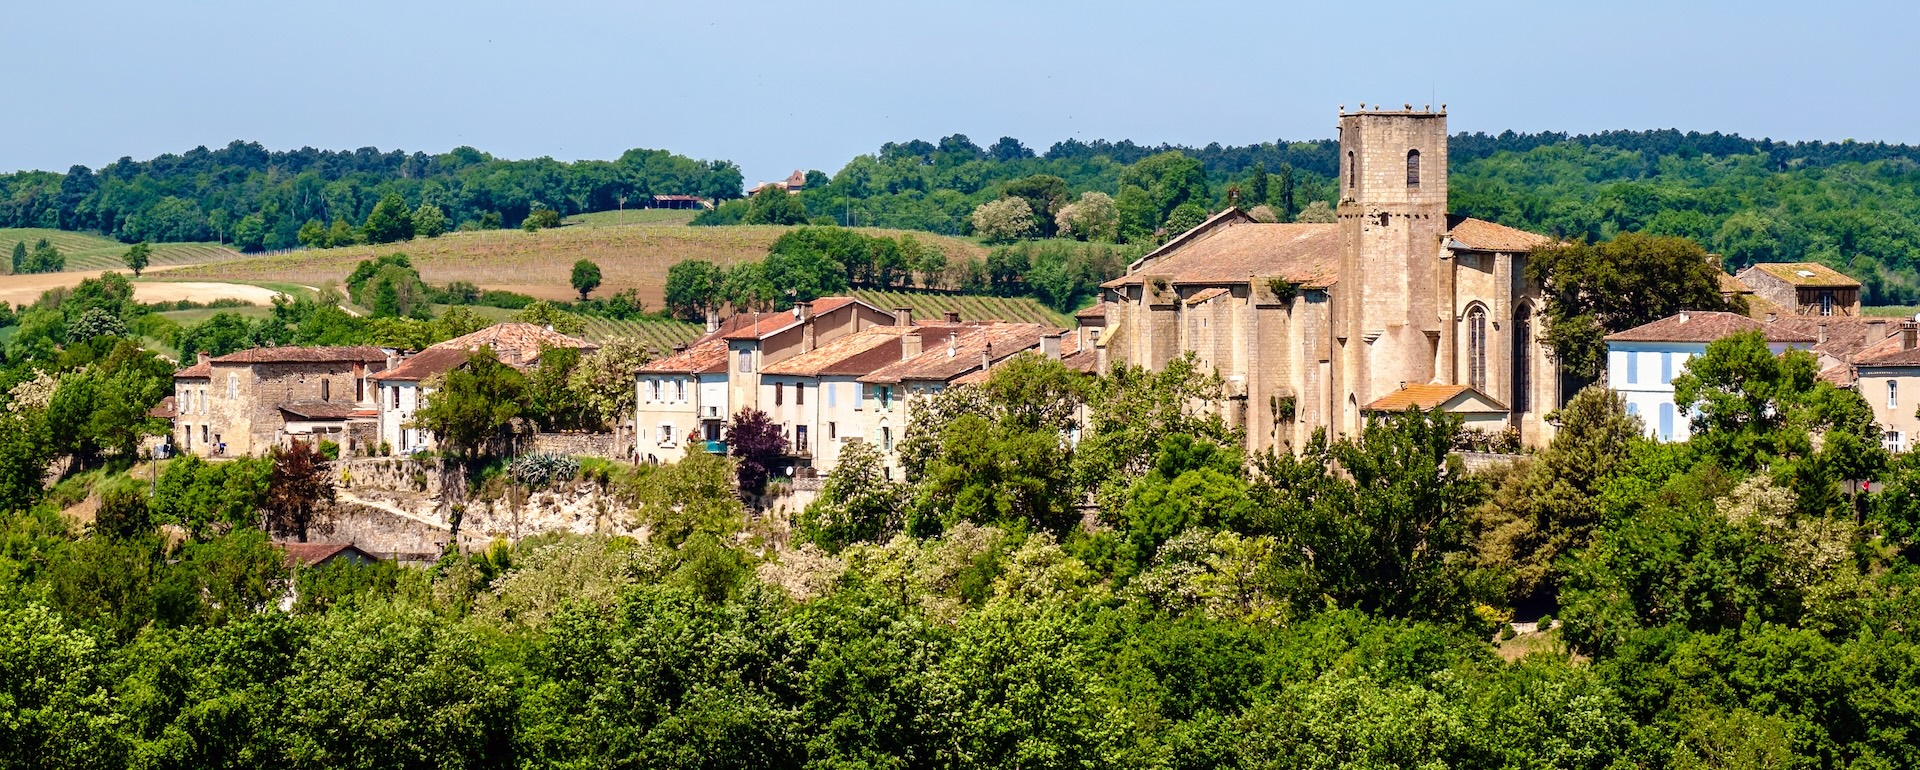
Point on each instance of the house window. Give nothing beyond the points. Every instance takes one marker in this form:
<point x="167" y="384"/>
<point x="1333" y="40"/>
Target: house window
<point x="886" y="439"/>
<point x="396" y="397"/>
<point x="679" y="390"/>
<point x="1666" y="421"/>
<point x="1826" y="303"/>
<point x="1633" y="367"/>
<point x="233" y="386"/>
<point x="860" y="402"/>
<point x="799" y="394"/>
<point x="203" y="434"/>
<point x="1522" y="360"/>
<point x="800" y="438"/>
<point x="1413" y="168"/>
<point x="746" y="361"/>
<point x="1891" y="440"/>
<point x="653" y="390"/>
<point x="359" y="390"/>
<point x="779" y="393"/>
<point x="886" y="398"/>
<point x="326" y="390"/>
<point x="833" y="393"/>
<point x="833" y="431"/>
<point x="1352" y="172"/>
<point x="666" y="434"/>
<point x="1893" y="394"/>
<point x="1477" y="348"/>
<point x="1666" y="368"/>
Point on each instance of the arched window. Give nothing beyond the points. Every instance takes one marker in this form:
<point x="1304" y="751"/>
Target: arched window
<point x="1413" y="168"/>
<point x="1352" y="170"/>
<point x="1477" y="348"/>
<point x="1522" y="357"/>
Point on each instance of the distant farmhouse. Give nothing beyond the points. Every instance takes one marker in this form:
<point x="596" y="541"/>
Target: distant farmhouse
<point x="794" y="183"/>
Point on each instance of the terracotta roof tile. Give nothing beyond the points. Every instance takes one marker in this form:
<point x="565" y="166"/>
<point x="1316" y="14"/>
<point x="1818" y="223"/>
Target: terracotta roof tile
<point x="1424" y="396"/>
<point x="1206" y="294"/>
<point x="942" y="363"/>
<point x="1235" y="249"/>
<point x="1071" y="356"/>
<point x="165" y="410"/>
<point x="1481" y="235"/>
<point x="356" y="353"/>
<point x="1705" y="326"/>
<point x="517" y="344"/>
<point x="201" y="370"/>
<point x="1847" y="336"/>
<point x="1887" y="352"/>
<point x="856" y="354"/>
<point x="1093" y="315"/>
<point x="424" y="364"/>
<point x="1838" y="375"/>
<point x="310" y="554"/>
<point x="1807" y="274"/>
<point x="707" y="355"/>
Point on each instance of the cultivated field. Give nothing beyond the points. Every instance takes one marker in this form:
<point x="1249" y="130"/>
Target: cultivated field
<point x="24" y="289"/>
<point x="931" y="305"/>
<point x="631" y="254"/>
<point x="92" y="252"/>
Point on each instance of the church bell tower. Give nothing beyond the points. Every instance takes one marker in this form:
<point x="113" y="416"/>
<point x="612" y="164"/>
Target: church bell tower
<point x="1393" y="226"/>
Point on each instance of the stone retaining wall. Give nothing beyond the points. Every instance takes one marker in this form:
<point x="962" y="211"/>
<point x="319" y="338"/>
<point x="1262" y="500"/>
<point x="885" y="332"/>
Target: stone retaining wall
<point x="605" y="445"/>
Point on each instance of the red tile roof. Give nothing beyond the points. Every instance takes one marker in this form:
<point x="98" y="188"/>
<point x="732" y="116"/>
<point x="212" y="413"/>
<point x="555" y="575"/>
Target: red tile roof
<point x="1427" y="396"/>
<point x="353" y="354"/>
<point x="165" y="410"/>
<point x="201" y="370"/>
<point x="318" y="410"/>
<point x="1481" y="235"/>
<point x="1887" y="352"/>
<point x="424" y="364"/>
<point x="311" y="554"/>
<point x="517" y="344"/>
<point x="941" y="363"/>
<point x="1706" y="326"/>
<point x="761" y="325"/>
<point x="1838" y="375"/>
<point x="856" y="354"/>
<point x="707" y="355"/>
<point x="1847" y="336"/>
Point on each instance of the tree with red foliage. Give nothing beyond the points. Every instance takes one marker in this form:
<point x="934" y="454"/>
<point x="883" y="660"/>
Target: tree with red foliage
<point x="758" y="443"/>
<point x="296" y="492"/>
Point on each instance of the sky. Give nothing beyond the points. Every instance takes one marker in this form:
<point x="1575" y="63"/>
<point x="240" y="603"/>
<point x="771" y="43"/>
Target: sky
<point x="776" y="86"/>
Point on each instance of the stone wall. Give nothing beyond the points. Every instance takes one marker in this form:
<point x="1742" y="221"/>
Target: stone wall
<point x="605" y="445"/>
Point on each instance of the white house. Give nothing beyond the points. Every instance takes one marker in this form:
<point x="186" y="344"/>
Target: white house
<point x="681" y="401"/>
<point x="1642" y="361"/>
<point x="400" y="391"/>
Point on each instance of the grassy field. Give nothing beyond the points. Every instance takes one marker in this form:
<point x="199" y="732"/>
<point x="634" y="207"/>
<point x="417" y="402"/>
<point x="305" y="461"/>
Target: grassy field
<point x="1890" y="311"/>
<point x="85" y="251"/>
<point x="931" y="305"/>
<point x="630" y="255"/>
<point x="633" y="217"/>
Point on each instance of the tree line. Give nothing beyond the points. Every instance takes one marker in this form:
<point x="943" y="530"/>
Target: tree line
<point x="246" y="195"/>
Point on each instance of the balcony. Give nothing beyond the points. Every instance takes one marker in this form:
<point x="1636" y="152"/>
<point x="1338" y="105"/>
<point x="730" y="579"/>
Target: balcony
<point x="714" y="447"/>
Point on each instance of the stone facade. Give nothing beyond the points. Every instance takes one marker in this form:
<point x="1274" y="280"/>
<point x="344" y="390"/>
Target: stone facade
<point x="1308" y="323"/>
<point x="237" y="404"/>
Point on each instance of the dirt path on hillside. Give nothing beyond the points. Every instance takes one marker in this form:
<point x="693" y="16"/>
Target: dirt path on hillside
<point x="24" y="289"/>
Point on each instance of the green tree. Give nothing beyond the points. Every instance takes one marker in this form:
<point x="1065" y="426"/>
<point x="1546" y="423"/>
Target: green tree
<point x="342" y="234"/>
<point x="540" y="218"/>
<point x="585" y="278"/>
<point x="429" y="221"/>
<point x="1185" y="217"/>
<point x="19" y="257"/>
<point x="390" y="221"/>
<point x="857" y="503"/>
<point x="1045" y="195"/>
<point x="774" y="206"/>
<point x="693" y="289"/>
<point x="137" y="257"/>
<point x="604" y="380"/>
<point x="477" y="407"/>
<point x="1004" y="220"/>
<point x="544" y="313"/>
<point x="312" y="235"/>
<point x="250" y="233"/>
<point x="1596" y="289"/>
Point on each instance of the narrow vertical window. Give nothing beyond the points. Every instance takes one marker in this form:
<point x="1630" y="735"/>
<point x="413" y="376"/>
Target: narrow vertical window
<point x="779" y="393"/>
<point x="1666" y="421"/>
<point x="1666" y="368"/>
<point x="1477" y="348"/>
<point x="1893" y="394"/>
<point x="679" y="390"/>
<point x="833" y="394"/>
<point x="326" y="390"/>
<point x="1826" y="303"/>
<point x="1352" y="171"/>
<point x="1413" y="168"/>
<point x="746" y="361"/>
<point x="1633" y="368"/>
<point x="799" y="394"/>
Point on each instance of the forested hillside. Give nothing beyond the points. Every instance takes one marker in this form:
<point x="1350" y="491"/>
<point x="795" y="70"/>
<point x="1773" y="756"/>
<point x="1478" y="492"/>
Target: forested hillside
<point x="1852" y="205"/>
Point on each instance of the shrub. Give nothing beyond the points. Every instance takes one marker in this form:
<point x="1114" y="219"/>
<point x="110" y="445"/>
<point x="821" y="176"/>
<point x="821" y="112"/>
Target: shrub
<point x="542" y="468"/>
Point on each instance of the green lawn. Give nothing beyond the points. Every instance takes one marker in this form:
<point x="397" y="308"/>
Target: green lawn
<point x="86" y="251"/>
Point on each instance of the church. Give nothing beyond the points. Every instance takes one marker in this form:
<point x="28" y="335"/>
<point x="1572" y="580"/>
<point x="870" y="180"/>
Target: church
<point x="1316" y="325"/>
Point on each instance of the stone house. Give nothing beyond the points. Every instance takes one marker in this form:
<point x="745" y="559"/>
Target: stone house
<point x="249" y="402"/>
<point x="402" y="390"/>
<point x="1306" y="323"/>
<point x="1803" y="288"/>
<point x="1887" y="375"/>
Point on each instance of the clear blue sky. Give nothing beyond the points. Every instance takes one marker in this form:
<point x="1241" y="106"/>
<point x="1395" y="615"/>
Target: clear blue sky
<point x="778" y="86"/>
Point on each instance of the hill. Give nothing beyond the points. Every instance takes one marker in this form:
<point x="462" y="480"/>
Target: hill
<point x="86" y="251"/>
<point x="630" y="255"/>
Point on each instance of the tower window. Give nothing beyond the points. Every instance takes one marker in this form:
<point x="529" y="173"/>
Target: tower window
<point x="1477" y="348"/>
<point x="1413" y="168"/>
<point x="1352" y="170"/>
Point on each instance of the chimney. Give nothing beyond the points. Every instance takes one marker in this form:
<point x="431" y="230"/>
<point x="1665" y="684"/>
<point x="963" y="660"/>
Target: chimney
<point x="910" y="345"/>
<point x="804" y="312"/>
<point x="713" y="320"/>
<point x="204" y="357"/>
<point x="953" y="344"/>
<point x="953" y="316"/>
<point x="1908" y="334"/>
<point x="1822" y="335"/>
<point x="986" y="355"/>
<point x="1685" y="317"/>
<point x="1876" y="330"/>
<point x="1050" y="345"/>
<point x="903" y="316"/>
